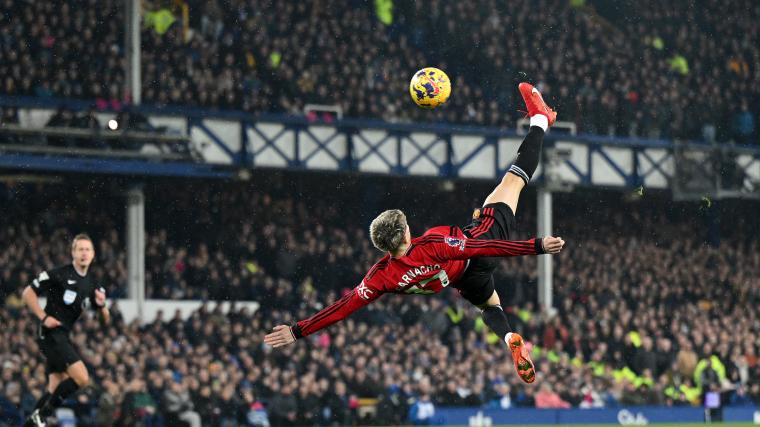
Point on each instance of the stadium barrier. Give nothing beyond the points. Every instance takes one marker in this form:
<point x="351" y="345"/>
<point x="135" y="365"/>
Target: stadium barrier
<point x="642" y="415"/>
<point x="130" y="311"/>
<point x="742" y="415"/>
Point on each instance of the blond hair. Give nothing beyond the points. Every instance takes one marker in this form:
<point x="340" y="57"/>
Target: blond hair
<point x="387" y="231"/>
<point x="78" y="237"/>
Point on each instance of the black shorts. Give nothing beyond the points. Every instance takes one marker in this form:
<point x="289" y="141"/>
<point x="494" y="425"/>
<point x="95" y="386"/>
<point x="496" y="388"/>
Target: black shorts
<point x="492" y="221"/>
<point x="57" y="348"/>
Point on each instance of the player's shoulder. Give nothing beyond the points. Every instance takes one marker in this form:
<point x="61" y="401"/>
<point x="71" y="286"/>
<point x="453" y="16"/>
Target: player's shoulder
<point x="438" y="234"/>
<point x="440" y="230"/>
<point x="378" y="267"/>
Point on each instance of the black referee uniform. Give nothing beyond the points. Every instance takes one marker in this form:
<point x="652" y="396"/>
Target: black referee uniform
<point x="68" y="294"/>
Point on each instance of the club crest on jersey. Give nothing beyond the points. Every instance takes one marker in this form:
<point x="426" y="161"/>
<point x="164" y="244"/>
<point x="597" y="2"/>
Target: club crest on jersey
<point x="364" y="292"/>
<point x="69" y="297"/>
<point x="454" y="242"/>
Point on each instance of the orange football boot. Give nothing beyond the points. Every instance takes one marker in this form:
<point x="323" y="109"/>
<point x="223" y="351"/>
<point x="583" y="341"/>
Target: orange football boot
<point x="521" y="356"/>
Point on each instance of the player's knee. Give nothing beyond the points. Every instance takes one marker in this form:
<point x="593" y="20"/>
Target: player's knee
<point x="493" y="300"/>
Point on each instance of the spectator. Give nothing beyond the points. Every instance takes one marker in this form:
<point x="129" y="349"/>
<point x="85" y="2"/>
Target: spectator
<point x="665" y="356"/>
<point x="740" y="397"/>
<point x="546" y="398"/>
<point x="283" y="407"/>
<point x="279" y="56"/>
<point x="180" y="406"/>
<point x="392" y="407"/>
<point x="744" y="123"/>
<point x="645" y="358"/>
<point x="106" y="412"/>
<point x="686" y="359"/>
<point x="502" y="398"/>
<point x="449" y="396"/>
<point x="10" y="402"/>
<point x="422" y="411"/>
<point x="709" y="376"/>
<point x="138" y="407"/>
<point x="254" y="412"/>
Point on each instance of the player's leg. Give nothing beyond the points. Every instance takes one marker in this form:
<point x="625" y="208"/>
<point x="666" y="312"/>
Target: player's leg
<point x="37" y="418"/>
<point x="78" y="373"/>
<point x="526" y="162"/>
<point x="74" y="378"/>
<point x="55" y="367"/>
<point x="493" y="316"/>
<point x="55" y="379"/>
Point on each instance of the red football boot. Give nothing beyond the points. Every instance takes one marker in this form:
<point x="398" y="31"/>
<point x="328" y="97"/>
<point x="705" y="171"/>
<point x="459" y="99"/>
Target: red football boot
<point x="521" y="356"/>
<point x="535" y="102"/>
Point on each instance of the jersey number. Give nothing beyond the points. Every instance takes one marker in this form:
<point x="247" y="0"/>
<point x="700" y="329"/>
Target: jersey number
<point x="442" y="276"/>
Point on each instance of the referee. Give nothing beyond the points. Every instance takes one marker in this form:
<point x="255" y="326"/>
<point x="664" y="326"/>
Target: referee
<point x="69" y="291"/>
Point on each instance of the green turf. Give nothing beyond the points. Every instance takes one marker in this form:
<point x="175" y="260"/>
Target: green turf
<point x="618" y="425"/>
<point x="652" y="424"/>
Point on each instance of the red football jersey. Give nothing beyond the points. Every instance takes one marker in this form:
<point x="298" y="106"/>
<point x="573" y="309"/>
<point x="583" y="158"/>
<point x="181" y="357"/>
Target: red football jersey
<point x="431" y="263"/>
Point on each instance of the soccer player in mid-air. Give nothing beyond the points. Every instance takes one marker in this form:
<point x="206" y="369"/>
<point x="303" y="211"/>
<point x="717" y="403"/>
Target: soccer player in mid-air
<point x="69" y="291"/>
<point x="464" y="258"/>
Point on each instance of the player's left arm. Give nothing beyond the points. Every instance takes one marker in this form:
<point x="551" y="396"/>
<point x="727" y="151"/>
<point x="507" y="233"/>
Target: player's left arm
<point x="98" y="300"/>
<point x="461" y="248"/>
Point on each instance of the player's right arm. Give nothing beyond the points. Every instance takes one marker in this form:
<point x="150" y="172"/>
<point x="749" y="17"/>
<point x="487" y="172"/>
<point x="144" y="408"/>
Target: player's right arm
<point x="337" y="311"/>
<point x="31" y="298"/>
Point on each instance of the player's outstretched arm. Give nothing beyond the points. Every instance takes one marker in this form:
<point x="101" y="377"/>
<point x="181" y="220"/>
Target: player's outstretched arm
<point x="360" y="296"/>
<point x="456" y="248"/>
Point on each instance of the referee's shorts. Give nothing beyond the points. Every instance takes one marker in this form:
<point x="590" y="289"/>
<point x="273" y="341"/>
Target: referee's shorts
<point x="57" y="348"/>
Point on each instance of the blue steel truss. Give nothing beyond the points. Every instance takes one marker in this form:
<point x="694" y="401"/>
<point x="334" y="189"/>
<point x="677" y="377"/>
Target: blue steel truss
<point x="240" y="140"/>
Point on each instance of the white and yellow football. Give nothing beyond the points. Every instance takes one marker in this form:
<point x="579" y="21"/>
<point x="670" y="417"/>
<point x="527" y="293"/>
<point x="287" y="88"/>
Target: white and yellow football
<point x="430" y="87"/>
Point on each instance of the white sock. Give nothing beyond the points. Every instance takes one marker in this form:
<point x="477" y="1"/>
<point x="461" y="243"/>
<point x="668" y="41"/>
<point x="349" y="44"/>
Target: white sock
<point x="541" y="121"/>
<point x="509" y="334"/>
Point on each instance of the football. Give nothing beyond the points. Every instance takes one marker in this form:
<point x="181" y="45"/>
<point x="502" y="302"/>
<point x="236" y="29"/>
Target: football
<point x="430" y="87"/>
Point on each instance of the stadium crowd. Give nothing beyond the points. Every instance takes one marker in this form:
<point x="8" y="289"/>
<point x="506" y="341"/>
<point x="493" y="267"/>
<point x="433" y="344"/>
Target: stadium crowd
<point x="646" y="312"/>
<point x="684" y="69"/>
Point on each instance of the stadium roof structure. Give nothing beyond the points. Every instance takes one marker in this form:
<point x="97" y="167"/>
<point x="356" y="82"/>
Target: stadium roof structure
<point x="222" y="143"/>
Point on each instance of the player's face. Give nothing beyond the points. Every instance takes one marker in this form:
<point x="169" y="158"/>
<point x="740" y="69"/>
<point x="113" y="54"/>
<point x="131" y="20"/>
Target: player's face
<point x="83" y="253"/>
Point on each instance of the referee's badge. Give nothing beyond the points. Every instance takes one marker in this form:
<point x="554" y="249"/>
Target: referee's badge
<point x="69" y="296"/>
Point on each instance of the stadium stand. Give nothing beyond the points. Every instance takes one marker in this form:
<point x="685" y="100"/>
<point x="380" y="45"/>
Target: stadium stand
<point x="648" y="313"/>
<point x="656" y="301"/>
<point x="688" y="69"/>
